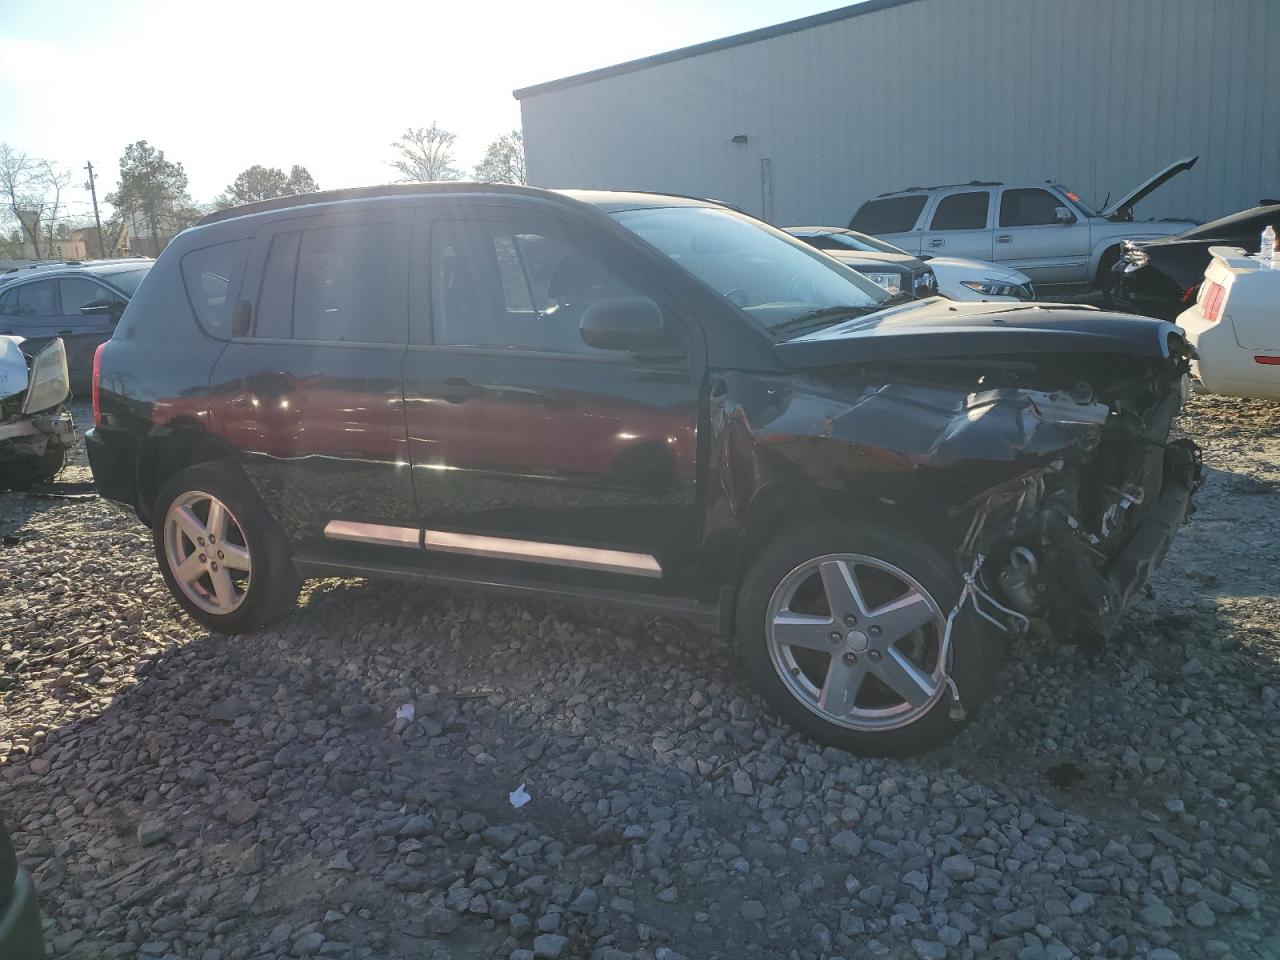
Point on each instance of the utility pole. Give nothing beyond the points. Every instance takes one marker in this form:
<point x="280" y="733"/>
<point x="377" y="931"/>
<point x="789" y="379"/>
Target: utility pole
<point x="93" y="192"/>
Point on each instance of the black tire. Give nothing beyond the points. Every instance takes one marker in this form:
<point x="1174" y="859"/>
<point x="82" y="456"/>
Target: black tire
<point x="976" y="649"/>
<point x="1102" y="280"/>
<point x="35" y="471"/>
<point x="270" y="589"/>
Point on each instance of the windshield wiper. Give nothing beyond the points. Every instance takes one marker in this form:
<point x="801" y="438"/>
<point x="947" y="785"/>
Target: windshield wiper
<point x="826" y="313"/>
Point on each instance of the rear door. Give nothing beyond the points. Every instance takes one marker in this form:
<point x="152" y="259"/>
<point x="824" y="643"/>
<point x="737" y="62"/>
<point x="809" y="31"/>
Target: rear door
<point x="895" y="219"/>
<point x="959" y="225"/>
<point x="308" y="389"/>
<point x="1030" y="238"/>
<point x="30" y="309"/>
<point x="532" y="450"/>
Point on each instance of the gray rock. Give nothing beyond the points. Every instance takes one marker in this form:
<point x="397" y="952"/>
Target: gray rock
<point x="929" y="949"/>
<point x="959" y="867"/>
<point x="417" y="827"/>
<point x="752" y="910"/>
<point x="308" y="945"/>
<point x="152" y="831"/>
<point x="549" y="946"/>
<point x="1011" y="924"/>
<point x="585" y="902"/>
<point x="742" y="783"/>
<point x="1156" y="915"/>
<point x="847" y="842"/>
<point x="241" y="811"/>
<point x="500" y="836"/>
<point x="1200" y="915"/>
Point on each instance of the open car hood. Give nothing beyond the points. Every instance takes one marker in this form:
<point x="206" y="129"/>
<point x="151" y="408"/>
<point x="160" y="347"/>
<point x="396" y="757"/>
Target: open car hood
<point x="1144" y="189"/>
<point x="938" y="329"/>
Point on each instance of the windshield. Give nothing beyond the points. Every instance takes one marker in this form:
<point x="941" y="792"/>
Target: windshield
<point x="777" y="281"/>
<point x="1085" y="207"/>
<point x="860" y="241"/>
<point x="126" y="281"/>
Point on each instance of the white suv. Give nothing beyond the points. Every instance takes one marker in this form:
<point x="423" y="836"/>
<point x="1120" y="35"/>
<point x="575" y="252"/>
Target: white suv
<point x="1042" y="229"/>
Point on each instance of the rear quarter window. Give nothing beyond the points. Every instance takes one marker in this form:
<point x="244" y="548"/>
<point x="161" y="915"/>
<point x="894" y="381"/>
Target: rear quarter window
<point x="888" y="215"/>
<point x="212" y="279"/>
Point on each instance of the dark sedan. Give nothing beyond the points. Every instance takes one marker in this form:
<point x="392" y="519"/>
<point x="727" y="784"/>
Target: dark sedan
<point x="896" y="270"/>
<point x="1160" y="278"/>
<point x="81" y="302"/>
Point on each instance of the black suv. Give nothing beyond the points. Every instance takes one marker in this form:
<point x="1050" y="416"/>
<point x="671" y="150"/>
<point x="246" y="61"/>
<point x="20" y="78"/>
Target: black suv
<point x="643" y="401"/>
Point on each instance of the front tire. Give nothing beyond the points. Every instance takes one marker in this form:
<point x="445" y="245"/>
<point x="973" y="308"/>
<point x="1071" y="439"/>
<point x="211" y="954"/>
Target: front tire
<point x="840" y="627"/>
<point x="222" y="556"/>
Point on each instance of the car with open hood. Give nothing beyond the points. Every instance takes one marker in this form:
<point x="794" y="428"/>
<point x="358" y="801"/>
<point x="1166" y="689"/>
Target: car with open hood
<point x="652" y="403"/>
<point x="1042" y="229"/>
<point x="1162" y="278"/>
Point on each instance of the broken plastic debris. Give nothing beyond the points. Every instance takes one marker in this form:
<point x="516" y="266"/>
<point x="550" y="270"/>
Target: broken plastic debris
<point x="519" y="796"/>
<point x="404" y="717"/>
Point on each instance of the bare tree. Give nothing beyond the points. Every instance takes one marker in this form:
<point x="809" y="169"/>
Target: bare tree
<point x="22" y="182"/>
<point x="54" y="182"/>
<point x="503" y="160"/>
<point x="426" y="153"/>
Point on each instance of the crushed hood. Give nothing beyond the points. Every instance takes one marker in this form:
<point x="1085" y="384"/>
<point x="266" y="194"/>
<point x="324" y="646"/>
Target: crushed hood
<point x="1148" y="186"/>
<point x="14" y="372"/>
<point x="937" y="329"/>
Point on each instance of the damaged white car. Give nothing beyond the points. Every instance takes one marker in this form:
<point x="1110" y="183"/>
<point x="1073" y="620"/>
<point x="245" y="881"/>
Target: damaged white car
<point x="36" y="429"/>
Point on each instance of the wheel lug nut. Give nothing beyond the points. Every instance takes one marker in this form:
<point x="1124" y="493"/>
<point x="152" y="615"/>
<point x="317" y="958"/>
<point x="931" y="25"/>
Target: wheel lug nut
<point x="850" y="620"/>
<point x="203" y="558"/>
<point x="851" y="658"/>
<point x="200" y="540"/>
<point x="834" y="637"/>
<point x="874" y="654"/>
<point x="875" y="631"/>
<point x="219" y="554"/>
<point x="214" y="566"/>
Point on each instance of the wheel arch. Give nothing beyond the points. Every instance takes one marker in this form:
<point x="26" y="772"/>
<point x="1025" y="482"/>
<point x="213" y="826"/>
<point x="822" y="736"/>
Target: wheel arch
<point x="165" y="452"/>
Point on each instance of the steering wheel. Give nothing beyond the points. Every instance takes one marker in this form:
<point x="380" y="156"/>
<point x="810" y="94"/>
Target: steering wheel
<point x="737" y="296"/>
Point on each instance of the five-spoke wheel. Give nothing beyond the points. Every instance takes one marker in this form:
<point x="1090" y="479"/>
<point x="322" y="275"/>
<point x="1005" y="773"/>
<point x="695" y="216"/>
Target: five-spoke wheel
<point x="841" y="626"/>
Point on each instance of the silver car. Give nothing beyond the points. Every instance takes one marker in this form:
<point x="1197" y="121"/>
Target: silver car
<point x="1042" y="229"/>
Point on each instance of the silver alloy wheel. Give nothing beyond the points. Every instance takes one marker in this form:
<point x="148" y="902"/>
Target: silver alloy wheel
<point x="856" y="640"/>
<point x="207" y="552"/>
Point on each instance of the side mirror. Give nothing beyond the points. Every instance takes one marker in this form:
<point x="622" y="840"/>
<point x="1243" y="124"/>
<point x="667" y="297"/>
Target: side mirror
<point x="623" y="323"/>
<point x="1063" y="215"/>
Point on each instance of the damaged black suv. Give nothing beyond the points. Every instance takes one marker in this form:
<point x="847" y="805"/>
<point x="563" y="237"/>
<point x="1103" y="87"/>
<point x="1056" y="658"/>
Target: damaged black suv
<point x="646" y="402"/>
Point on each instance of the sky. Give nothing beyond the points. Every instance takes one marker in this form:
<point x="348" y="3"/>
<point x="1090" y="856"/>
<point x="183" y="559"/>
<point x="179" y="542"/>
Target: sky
<point x="222" y="85"/>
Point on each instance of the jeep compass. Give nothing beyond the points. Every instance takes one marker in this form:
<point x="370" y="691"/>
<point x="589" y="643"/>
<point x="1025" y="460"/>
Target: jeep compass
<point x="646" y="402"/>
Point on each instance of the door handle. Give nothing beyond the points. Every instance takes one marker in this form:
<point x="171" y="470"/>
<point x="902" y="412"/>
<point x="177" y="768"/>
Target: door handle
<point x="1004" y="238"/>
<point x="937" y="242"/>
<point x="458" y="390"/>
<point x="64" y="333"/>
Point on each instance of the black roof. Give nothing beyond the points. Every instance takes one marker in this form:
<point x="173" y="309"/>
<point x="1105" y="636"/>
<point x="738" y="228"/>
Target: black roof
<point x="366" y="193"/>
<point x="737" y="40"/>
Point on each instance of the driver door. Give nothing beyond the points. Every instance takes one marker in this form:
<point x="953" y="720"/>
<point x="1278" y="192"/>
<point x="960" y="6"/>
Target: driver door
<point x="528" y="447"/>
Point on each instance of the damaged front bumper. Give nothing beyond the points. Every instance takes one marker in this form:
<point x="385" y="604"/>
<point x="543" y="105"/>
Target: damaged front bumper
<point x="34" y="432"/>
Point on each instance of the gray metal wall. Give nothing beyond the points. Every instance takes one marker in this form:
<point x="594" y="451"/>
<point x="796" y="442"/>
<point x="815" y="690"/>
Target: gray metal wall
<point x="1096" y="94"/>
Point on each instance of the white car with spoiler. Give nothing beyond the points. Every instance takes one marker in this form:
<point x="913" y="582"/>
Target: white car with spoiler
<point x="1235" y="326"/>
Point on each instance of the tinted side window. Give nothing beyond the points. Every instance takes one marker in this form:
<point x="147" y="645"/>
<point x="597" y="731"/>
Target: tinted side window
<point x="961" y="211"/>
<point x="1028" y="208"/>
<point x="39" y="299"/>
<point x="506" y="284"/>
<point x="9" y="301"/>
<point x="78" y="291"/>
<point x="890" y="215"/>
<point x="274" y="316"/>
<point x="345" y="286"/>
<point x="212" y="279"/>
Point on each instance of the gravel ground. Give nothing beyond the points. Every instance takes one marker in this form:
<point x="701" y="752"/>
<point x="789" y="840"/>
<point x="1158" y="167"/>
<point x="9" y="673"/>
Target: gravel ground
<point x="181" y="794"/>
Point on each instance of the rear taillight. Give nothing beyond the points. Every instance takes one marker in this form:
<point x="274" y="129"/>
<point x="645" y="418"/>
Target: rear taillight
<point x="1211" y="298"/>
<point x="97" y="385"/>
<point x="1189" y="294"/>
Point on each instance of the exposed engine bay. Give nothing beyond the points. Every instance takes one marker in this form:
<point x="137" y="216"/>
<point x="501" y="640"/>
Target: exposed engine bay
<point x="36" y="430"/>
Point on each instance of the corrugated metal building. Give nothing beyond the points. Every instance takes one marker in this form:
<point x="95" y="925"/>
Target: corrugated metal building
<point x="802" y="122"/>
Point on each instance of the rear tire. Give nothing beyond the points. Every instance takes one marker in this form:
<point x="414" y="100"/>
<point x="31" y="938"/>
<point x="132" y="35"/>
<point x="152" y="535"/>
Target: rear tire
<point x="862" y="672"/>
<point x="1102" y="280"/>
<point x="223" y="558"/>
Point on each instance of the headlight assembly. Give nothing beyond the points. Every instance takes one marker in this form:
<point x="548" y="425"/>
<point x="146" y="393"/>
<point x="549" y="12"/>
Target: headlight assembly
<point x="997" y="288"/>
<point x="890" y="281"/>
<point x="49" y="381"/>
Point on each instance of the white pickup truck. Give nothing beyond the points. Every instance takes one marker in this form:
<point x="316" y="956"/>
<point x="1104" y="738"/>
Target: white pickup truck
<point x="1234" y="326"/>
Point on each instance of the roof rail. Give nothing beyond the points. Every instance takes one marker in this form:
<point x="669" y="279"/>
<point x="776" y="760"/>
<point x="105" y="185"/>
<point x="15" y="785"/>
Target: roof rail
<point x="364" y="193"/>
<point x="945" y="186"/>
